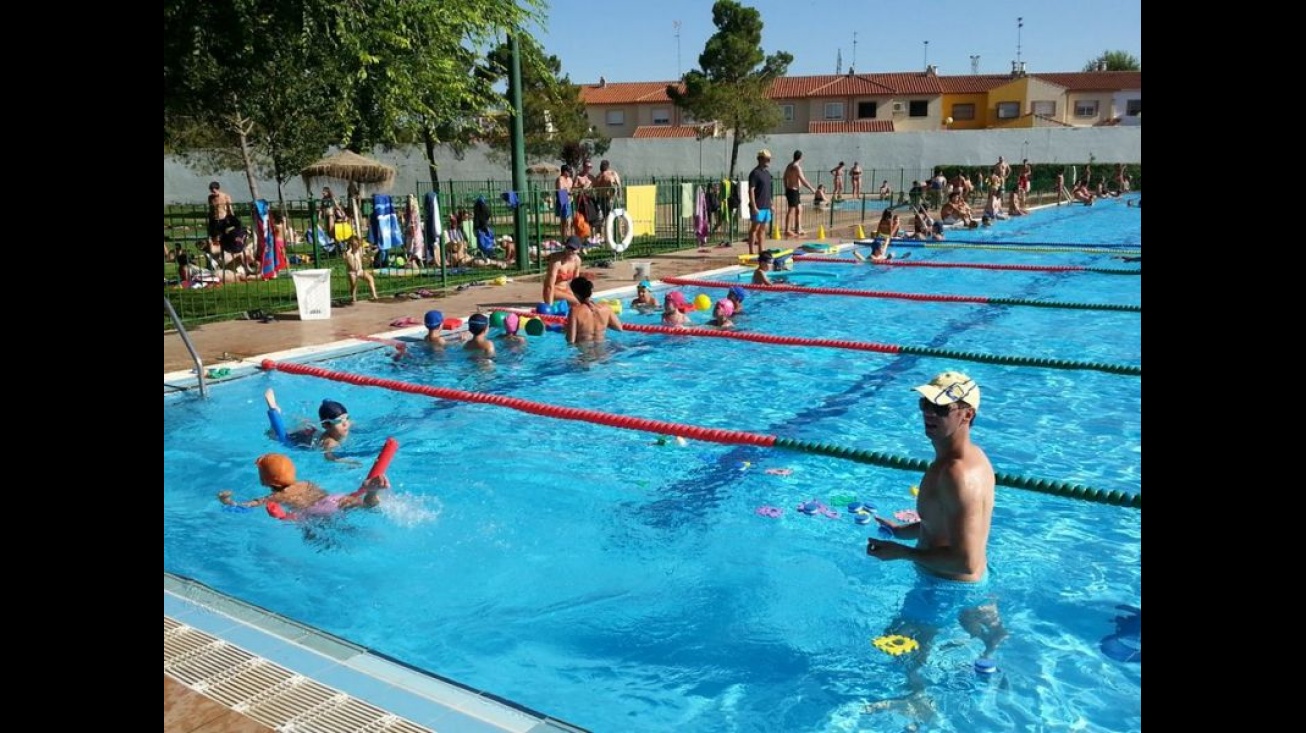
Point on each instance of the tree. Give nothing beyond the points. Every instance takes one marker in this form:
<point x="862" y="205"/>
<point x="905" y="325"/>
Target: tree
<point x="1114" y="61"/>
<point x="733" y="77"/>
<point x="281" y="81"/>
<point x="554" y="122"/>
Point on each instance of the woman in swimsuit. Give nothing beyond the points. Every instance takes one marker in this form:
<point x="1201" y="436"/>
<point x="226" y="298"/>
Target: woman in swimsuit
<point x="564" y="266"/>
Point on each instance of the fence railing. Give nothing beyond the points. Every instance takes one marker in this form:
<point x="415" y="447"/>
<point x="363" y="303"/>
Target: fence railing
<point x="206" y="284"/>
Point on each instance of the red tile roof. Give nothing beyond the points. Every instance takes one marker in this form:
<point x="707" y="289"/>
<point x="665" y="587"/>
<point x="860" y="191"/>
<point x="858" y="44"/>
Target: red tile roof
<point x="862" y="85"/>
<point x="1096" y="81"/>
<point x="977" y="84"/>
<point x="856" y="126"/>
<point x="647" y="131"/>
<point x="625" y="92"/>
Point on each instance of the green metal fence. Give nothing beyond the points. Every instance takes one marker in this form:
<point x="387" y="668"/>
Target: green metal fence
<point x="222" y="293"/>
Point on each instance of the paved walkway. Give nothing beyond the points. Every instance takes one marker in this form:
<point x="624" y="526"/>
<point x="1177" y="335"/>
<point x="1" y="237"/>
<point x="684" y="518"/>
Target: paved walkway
<point x="236" y="340"/>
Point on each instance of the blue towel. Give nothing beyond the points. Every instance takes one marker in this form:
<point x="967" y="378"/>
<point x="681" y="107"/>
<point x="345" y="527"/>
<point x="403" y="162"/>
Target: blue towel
<point x="386" y="231"/>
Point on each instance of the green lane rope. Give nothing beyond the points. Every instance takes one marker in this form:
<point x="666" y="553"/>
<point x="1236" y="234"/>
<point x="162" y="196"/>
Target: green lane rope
<point x="1125" y="369"/>
<point x="1128" y="308"/>
<point x="1042" y="486"/>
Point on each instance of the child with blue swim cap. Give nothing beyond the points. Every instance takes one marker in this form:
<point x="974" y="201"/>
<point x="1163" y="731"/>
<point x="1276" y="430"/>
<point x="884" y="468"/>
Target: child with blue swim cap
<point x="434" y="321"/>
<point x="644" y="300"/>
<point x="480" y="344"/>
<point x="335" y="422"/>
<point x="736" y="296"/>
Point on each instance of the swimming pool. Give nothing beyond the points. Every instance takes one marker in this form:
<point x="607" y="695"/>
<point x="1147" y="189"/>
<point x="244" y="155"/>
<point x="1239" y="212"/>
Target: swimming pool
<point x="619" y="584"/>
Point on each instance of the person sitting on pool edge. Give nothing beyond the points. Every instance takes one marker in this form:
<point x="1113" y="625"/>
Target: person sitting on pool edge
<point x="277" y="472"/>
<point x="644" y="302"/>
<point x="736" y="296"/>
<point x="480" y="344"/>
<point x="335" y="428"/>
<point x="764" y="261"/>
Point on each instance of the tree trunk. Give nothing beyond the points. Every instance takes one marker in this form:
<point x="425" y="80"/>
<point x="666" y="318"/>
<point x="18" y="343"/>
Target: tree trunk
<point x="734" y="154"/>
<point x="248" y="158"/>
<point x="429" y="139"/>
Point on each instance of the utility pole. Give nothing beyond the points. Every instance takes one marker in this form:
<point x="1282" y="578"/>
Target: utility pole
<point x="927" y="54"/>
<point x="676" y="24"/>
<point x="974" y="64"/>
<point x="518" y="155"/>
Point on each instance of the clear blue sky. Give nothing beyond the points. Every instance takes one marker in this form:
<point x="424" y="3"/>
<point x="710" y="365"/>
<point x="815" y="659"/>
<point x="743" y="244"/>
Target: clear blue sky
<point x="635" y="40"/>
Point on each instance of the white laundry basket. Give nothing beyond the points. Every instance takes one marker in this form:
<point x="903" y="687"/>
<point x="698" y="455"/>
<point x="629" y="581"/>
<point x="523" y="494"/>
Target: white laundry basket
<point x="643" y="271"/>
<point x="313" y="292"/>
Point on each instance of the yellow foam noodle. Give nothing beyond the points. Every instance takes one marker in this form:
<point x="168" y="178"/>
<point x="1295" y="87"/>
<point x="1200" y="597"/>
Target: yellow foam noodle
<point x="752" y="259"/>
<point x="641" y="205"/>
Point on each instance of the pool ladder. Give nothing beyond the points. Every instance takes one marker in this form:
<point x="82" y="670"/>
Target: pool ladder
<point x="185" y="339"/>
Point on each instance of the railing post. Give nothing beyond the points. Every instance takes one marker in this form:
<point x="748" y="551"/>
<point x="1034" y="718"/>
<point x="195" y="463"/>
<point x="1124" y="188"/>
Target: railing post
<point x="314" y="229"/>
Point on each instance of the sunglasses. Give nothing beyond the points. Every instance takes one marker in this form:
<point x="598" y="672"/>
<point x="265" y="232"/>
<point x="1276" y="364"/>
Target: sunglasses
<point x="937" y="410"/>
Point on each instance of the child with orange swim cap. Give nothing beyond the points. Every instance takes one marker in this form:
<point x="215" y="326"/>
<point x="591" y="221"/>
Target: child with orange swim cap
<point x="277" y="472"/>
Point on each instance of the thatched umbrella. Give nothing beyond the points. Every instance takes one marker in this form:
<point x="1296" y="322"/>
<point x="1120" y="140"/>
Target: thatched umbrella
<point x="543" y="169"/>
<point x="351" y="167"/>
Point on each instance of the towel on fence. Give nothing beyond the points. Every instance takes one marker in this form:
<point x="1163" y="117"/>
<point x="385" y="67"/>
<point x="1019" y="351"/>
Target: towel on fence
<point x="700" y="216"/>
<point x="434" y="224"/>
<point x="271" y="252"/>
<point x="385" y="230"/>
<point x="414" y="242"/>
<point x="641" y="205"/>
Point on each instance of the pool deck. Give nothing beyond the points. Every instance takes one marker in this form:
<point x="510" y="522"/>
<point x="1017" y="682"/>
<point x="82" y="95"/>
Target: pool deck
<point x="233" y="343"/>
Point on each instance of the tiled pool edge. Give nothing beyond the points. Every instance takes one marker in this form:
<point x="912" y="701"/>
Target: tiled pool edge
<point x="423" y="698"/>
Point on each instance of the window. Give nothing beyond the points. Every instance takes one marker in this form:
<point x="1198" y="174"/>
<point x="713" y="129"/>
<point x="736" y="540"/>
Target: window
<point x="1133" y="107"/>
<point x="616" y="117"/>
<point x="661" y="116"/>
<point x="918" y="108"/>
<point x="963" y="111"/>
<point x="866" y="110"/>
<point x="1047" y="109"/>
<point x="788" y="111"/>
<point x="1086" y="108"/>
<point x="1008" y="110"/>
<point x="834" y="110"/>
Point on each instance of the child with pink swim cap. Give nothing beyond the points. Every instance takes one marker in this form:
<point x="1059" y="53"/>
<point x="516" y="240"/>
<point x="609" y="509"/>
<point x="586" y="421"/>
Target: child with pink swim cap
<point x="721" y="313"/>
<point x="511" y="331"/>
<point x="674" y="307"/>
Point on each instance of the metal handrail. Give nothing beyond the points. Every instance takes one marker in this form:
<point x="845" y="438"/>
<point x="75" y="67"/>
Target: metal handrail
<point x="185" y="339"/>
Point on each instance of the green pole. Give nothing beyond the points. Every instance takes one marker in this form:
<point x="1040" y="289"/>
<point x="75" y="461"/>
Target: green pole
<point x="518" y="155"/>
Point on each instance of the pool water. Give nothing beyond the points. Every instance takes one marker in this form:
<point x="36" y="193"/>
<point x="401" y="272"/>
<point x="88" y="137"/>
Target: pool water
<point x="625" y="585"/>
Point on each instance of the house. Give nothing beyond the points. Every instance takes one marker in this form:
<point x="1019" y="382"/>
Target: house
<point x="890" y="102"/>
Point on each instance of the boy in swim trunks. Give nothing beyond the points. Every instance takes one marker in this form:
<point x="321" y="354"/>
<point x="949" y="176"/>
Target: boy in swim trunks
<point x="277" y="472"/>
<point x="764" y="261"/>
<point x="644" y="302"/>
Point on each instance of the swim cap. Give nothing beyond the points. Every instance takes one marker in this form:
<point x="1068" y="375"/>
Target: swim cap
<point x="677" y="299"/>
<point x="644" y="284"/>
<point x="478" y="323"/>
<point x="275" y="469"/>
<point x="727" y="306"/>
<point x="738" y="292"/>
<point x="511" y="322"/>
<point x="765" y="257"/>
<point x="434" y="319"/>
<point x="330" y="410"/>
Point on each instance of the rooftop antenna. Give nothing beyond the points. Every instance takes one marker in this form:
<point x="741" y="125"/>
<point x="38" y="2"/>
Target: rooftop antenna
<point x="927" y="54"/>
<point x="676" y="24"/>
<point x="854" y="63"/>
<point x="974" y="64"/>
<point x="1020" y="23"/>
<point x="838" y="61"/>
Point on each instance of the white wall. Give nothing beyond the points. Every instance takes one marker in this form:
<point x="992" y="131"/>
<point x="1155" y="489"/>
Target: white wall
<point x="912" y="151"/>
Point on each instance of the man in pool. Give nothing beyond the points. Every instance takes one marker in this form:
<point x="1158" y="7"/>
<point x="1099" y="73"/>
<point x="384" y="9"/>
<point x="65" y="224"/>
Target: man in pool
<point x="588" y="321"/>
<point x="955" y="509"/>
<point x="277" y="472"/>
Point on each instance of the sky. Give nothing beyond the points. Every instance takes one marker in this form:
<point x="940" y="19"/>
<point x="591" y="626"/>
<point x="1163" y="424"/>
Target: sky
<point x="635" y="40"/>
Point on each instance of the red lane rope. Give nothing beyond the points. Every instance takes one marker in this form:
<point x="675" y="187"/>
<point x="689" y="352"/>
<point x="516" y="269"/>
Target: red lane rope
<point x="963" y="265"/>
<point x="712" y="435"/>
<point x="831" y="291"/>
<point x="761" y="338"/>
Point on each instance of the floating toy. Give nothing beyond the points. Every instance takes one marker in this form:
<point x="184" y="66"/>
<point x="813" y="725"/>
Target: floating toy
<point x="907" y="515"/>
<point x="986" y="666"/>
<point x="702" y="302"/>
<point x="896" y="644"/>
<point x="862" y="512"/>
<point x="812" y="507"/>
<point x="842" y="498"/>
<point x="218" y="373"/>
<point x="915" y="490"/>
<point x="773" y="512"/>
<point x="782" y="472"/>
<point x="278" y="425"/>
<point x="745" y="465"/>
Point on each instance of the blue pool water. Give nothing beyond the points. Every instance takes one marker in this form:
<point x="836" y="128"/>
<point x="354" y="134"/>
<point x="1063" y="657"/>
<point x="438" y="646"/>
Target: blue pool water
<point x="621" y="585"/>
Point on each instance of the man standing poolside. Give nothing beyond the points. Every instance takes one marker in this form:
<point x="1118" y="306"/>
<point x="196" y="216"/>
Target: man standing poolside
<point x="219" y="210"/>
<point x="759" y="200"/>
<point x="794" y="196"/>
